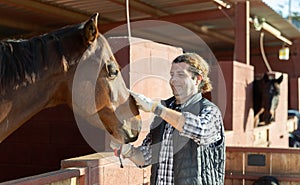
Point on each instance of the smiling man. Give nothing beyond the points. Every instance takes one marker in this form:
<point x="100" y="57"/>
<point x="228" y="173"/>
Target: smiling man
<point x="186" y="143"/>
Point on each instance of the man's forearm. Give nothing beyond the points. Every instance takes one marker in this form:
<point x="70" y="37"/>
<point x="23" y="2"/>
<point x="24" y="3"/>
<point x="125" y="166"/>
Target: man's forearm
<point x="174" y="118"/>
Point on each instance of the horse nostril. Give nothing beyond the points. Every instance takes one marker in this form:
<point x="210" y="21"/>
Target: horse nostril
<point x="131" y="139"/>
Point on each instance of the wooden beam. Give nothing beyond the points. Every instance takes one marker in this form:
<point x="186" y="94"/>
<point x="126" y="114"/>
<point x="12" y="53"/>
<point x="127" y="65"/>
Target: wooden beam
<point x="43" y="8"/>
<point x="183" y="18"/>
<point x="177" y="18"/>
<point x="196" y="16"/>
<point x="142" y="7"/>
<point x="196" y="28"/>
<point x="242" y="32"/>
<point x="48" y="9"/>
<point x="209" y="32"/>
<point x="20" y="25"/>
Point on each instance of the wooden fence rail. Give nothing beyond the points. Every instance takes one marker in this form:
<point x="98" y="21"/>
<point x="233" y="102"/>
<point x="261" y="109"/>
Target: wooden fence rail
<point x="69" y="176"/>
<point x="243" y="166"/>
<point x="98" y="168"/>
<point x="246" y="164"/>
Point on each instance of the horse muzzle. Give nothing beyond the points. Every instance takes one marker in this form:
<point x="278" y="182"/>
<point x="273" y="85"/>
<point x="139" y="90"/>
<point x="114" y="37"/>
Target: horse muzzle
<point x="130" y="129"/>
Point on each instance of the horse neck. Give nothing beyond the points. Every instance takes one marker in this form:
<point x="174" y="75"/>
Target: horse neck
<point x="18" y="106"/>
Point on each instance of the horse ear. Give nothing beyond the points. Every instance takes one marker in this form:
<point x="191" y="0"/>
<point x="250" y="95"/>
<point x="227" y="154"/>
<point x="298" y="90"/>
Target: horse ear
<point x="279" y="80"/>
<point x="91" y="28"/>
<point x="266" y="77"/>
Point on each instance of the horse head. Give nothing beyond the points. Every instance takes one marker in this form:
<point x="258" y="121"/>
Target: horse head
<point x="266" y="98"/>
<point x="73" y="65"/>
<point x="99" y="93"/>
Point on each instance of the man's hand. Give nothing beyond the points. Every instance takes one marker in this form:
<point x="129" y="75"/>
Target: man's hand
<point x="121" y="149"/>
<point x="144" y="103"/>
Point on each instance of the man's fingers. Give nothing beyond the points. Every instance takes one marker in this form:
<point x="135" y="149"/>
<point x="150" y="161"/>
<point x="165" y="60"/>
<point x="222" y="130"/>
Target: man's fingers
<point x="116" y="152"/>
<point x="133" y="93"/>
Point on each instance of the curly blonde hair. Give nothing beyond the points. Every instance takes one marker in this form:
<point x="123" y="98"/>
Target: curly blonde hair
<point x="198" y="66"/>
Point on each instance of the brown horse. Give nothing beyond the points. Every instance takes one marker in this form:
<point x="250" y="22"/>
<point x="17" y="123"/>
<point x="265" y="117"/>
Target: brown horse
<point x="73" y="65"/>
<point x="266" y="93"/>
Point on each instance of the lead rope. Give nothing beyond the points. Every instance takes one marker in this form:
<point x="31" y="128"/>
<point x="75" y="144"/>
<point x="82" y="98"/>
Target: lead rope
<point x="129" y="37"/>
<point x="128" y="20"/>
<point x="119" y="155"/>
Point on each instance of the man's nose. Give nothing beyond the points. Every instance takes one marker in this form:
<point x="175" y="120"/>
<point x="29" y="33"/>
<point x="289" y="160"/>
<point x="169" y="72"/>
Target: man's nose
<point x="172" y="80"/>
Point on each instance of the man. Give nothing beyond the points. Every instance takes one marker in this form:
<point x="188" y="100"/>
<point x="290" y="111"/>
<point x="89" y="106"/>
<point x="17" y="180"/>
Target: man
<point x="186" y="144"/>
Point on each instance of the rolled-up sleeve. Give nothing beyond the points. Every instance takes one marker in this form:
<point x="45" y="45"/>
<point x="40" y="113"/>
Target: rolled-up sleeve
<point x="205" y="128"/>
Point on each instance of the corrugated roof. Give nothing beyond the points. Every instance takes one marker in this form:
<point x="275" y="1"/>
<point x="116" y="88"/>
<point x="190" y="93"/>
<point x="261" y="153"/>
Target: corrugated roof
<point x="25" y="18"/>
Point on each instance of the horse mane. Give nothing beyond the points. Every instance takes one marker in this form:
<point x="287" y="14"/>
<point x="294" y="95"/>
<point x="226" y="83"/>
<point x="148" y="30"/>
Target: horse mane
<point x="22" y="62"/>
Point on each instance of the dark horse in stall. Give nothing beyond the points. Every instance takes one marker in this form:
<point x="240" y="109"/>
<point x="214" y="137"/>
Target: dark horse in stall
<point x="266" y="93"/>
<point x="73" y="65"/>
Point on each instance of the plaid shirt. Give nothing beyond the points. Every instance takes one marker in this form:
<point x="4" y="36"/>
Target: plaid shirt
<point x="204" y="129"/>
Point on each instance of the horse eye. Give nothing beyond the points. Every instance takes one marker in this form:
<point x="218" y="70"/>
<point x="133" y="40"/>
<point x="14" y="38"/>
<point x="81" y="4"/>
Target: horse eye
<point x="112" y="70"/>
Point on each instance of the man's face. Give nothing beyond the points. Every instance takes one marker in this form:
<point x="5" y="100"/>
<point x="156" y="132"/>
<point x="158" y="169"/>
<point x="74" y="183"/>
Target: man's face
<point x="181" y="82"/>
